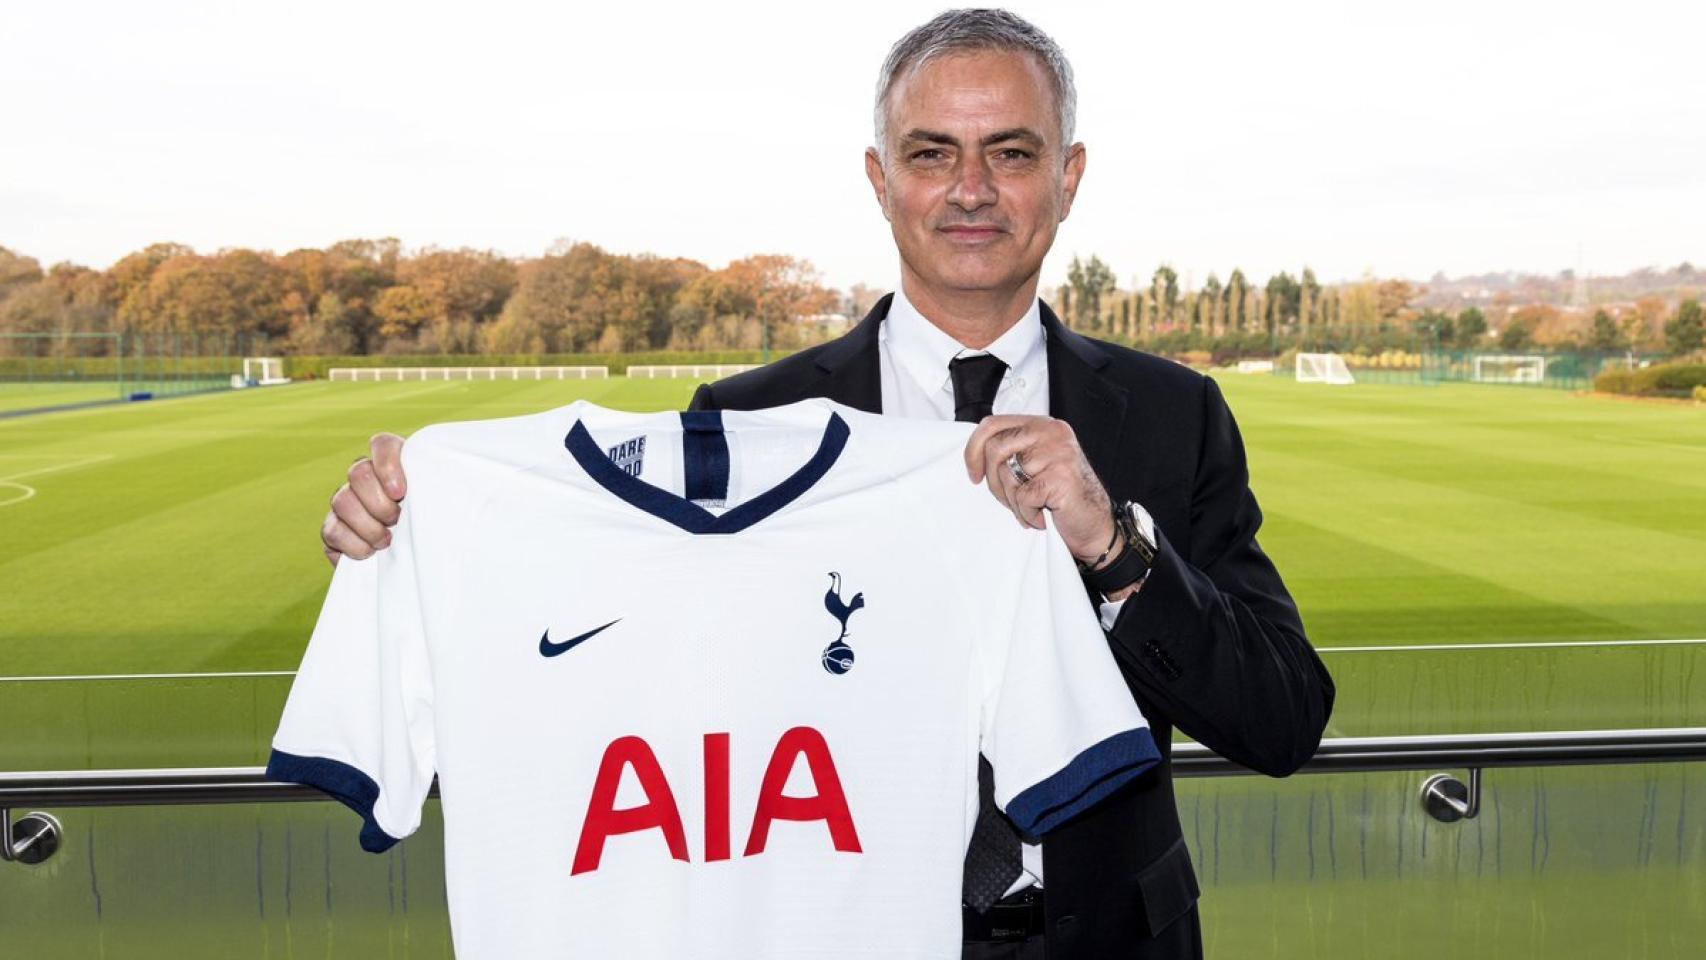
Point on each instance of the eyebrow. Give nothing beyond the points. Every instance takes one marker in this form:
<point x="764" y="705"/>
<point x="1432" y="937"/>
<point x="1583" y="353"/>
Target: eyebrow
<point x="1000" y="136"/>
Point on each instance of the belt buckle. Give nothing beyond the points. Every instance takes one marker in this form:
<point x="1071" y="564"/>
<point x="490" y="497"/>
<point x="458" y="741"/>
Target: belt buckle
<point x="1011" y="920"/>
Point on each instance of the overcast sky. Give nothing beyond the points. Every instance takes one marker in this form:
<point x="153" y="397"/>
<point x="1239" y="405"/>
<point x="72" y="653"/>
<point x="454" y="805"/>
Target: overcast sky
<point x="1397" y="138"/>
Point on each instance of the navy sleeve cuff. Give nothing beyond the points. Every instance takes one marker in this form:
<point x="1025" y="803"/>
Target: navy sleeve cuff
<point x="350" y="786"/>
<point x="1077" y="787"/>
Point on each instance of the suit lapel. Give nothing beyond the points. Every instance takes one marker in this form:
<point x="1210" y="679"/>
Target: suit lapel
<point x="852" y="373"/>
<point x="1093" y="405"/>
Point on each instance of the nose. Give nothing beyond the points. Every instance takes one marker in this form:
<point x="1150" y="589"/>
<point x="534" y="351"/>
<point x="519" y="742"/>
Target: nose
<point x="974" y="186"/>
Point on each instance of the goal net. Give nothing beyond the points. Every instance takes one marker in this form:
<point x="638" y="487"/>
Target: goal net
<point x="1323" y="368"/>
<point x="1509" y="368"/>
<point x="261" y="372"/>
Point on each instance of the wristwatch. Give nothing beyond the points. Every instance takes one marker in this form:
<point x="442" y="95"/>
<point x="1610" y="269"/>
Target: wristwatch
<point x="1132" y="524"/>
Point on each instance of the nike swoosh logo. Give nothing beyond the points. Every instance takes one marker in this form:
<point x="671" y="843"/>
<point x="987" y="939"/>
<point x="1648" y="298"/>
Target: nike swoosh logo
<point x="549" y="649"/>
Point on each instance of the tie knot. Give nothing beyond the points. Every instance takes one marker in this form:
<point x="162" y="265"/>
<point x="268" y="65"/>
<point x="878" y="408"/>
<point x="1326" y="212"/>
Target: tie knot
<point x="975" y="382"/>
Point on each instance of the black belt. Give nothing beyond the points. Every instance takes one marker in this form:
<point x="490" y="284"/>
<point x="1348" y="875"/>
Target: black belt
<point x="1013" y="918"/>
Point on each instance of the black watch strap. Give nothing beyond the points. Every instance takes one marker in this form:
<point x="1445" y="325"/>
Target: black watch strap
<point x="1133" y="563"/>
<point x="1127" y="570"/>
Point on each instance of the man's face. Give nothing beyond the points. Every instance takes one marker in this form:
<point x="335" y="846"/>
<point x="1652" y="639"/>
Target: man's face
<point x="976" y="179"/>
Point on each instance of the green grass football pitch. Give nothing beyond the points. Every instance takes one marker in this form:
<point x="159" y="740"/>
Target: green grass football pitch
<point x="1471" y="557"/>
<point x="1467" y="558"/>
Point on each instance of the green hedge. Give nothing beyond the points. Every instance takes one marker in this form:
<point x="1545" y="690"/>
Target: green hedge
<point x="315" y="367"/>
<point x="1661" y="380"/>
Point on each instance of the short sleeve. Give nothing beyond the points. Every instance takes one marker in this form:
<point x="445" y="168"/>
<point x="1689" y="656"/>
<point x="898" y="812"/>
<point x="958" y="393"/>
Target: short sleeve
<point x="1059" y="725"/>
<point x="359" y="720"/>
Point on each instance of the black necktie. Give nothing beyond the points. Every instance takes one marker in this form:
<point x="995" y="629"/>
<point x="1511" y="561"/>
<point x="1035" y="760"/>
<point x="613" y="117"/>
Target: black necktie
<point x="993" y="860"/>
<point x="975" y="382"/>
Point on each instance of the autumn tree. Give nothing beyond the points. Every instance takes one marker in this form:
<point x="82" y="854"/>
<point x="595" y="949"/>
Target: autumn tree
<point x="1164" y="293"/>
<point x="1285" y="297"/>
<point x="1644" y="324"/>
<point x="1603" y="334"/>
<point x="1518" y="332"/>
<point x="1361" y="304"/>
<point x="1685" y="332"/>
<point x="1209" y="306"/>
<point x="230" y="292"/>
<point x="1393" y="298"/>
<point x="1309" y="300"/>
<point x="1237" y="291"/>
<point x="1434" y="328"/>
<point x="1091" y="284"/>
<point x="1471" y="327"/>
<point x="17" y="270"/>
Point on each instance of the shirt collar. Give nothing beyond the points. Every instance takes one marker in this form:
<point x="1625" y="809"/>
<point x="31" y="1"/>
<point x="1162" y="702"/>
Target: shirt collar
<point x="923" y="350"/>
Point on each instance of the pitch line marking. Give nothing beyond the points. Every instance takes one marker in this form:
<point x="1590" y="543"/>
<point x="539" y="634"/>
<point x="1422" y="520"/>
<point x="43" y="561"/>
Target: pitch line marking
<point x="54" y="469"/>
<point x="29" y="491"/>
<point x="153" y="676"/>
<point x="1539" y="644"/>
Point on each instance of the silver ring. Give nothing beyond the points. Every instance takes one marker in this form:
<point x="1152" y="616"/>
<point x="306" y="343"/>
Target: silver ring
<point x="1018" y="470"/>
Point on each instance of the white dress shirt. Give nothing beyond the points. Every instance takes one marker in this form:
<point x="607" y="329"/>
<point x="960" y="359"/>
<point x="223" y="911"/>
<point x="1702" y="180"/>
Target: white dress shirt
<point x="913" y="356"/>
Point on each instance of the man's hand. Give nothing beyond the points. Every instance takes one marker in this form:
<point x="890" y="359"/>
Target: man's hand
<point x="365" y="507"/>
<point x="1060" y="480"/>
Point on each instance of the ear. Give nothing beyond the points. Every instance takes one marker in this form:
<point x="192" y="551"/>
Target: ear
<point x="1074" y="173"/>
<point x="879" y="180"/>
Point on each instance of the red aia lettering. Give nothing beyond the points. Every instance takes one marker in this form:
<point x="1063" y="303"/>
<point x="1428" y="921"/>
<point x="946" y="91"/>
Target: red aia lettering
<point x="659" y="811"/>
<point x="603" y="820"/>
<point x="716" y="796"/>
<point x="828" y="805"/>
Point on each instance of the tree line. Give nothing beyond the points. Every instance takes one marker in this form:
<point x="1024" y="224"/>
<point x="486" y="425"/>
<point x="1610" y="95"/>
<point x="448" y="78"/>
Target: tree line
<point x="372" y="297"/>
<point x="1237" y="317"/>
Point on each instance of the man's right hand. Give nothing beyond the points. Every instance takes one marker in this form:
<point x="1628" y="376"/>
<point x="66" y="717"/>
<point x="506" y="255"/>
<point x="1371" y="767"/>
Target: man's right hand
<point x="366" y="507"/>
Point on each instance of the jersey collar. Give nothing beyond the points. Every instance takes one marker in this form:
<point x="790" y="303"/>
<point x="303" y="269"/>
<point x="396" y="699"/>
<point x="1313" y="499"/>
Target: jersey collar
<point x="683" y="512"/>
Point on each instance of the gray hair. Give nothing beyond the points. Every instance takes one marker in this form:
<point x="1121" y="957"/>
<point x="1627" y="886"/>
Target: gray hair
<point x="977" y="29"/>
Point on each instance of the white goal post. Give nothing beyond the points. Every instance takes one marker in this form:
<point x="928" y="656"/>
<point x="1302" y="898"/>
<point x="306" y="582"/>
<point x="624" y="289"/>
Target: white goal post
<point x="1323" y="368"/>
<point x="699" y="371"/>
<point x="260" y="372"/>
<point x="396" y="374"/>
<point x="1510" y="368"/>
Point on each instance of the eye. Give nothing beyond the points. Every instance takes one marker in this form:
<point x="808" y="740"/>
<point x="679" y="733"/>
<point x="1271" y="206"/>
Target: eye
<point x="1013" y="153"/>
<point x="928" y="153"/>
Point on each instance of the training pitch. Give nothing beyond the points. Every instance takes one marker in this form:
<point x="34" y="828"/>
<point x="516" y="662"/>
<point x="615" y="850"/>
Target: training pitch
<point x="1468" y="558"/>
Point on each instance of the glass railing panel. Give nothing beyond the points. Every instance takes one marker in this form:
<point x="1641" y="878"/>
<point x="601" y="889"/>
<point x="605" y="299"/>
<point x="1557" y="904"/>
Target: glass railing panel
<point x="1429" y="689"/>
<point x="264" y="880"/>
<point x="197" y="720"/>
<point x="1562" y="862"/>
<point x="1577" y="861"/>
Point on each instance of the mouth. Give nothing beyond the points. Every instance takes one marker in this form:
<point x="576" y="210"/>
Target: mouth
<point x="971" y="234"/>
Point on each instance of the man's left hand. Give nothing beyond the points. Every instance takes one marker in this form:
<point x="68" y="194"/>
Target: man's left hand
<point x="1057" y="478"/>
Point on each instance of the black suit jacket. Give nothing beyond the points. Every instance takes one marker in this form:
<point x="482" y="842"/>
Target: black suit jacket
<point x="1212" y="644"/>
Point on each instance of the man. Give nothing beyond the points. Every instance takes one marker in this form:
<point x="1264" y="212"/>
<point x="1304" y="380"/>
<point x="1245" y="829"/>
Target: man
<point x="1136" y="460"/>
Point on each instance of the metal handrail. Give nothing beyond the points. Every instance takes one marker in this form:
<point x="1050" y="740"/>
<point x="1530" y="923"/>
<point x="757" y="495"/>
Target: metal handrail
<point x="104" y="788"/>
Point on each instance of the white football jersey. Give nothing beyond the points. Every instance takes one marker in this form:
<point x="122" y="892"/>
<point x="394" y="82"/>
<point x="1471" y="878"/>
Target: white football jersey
<point x="707" y="684"/>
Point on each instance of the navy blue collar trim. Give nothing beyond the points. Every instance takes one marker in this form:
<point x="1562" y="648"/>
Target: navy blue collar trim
<point x="688" y="515"/>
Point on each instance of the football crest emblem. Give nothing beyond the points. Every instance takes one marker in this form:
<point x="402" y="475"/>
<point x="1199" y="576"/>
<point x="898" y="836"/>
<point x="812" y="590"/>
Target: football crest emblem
<point x="838" y="656"/>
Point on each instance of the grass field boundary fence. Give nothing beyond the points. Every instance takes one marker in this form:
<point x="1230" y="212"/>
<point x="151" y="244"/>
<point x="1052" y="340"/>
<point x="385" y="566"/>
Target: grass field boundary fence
<point x="62" y="369"/>
<point x="692" y="371"/>
<point x="407" y="374"/>
<point x="1555" y="369"/>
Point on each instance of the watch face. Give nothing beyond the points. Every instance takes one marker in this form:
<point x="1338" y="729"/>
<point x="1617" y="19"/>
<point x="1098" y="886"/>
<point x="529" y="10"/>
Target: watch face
<point x="1143" y="526"/>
